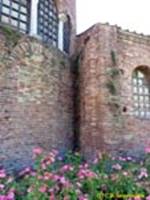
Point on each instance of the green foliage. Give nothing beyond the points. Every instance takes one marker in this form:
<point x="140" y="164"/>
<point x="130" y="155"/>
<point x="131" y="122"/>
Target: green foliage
<point x="11" y="35"/>
<point x="74" y="159"/>
<point x="114" y="72"/>
<point x="111" y="87"/>
<point x="113" y="57"/>
<point x="71" y="178"/>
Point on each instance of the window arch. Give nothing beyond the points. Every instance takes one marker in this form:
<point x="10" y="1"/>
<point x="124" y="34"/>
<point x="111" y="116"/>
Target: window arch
<point x="141" y="92"/>
<point x="48" y="21"/>
<point x="16" y="13"/>
<point x="67" y="34"/>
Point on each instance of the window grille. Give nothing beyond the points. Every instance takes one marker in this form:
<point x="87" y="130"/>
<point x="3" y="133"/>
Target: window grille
<point x="16" y="13"/>
<point x="48" y="21"/>
<point x="141" y="95"/>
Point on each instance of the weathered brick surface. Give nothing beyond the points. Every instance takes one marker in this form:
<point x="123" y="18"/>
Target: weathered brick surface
<point x="35" y="101"/>
<point x="39" y="95"/>
<point x="106" y="120"/>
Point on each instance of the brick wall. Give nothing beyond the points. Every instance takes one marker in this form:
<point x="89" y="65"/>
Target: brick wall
<point x="35" y="100"/>
<point x="107" y="57"/>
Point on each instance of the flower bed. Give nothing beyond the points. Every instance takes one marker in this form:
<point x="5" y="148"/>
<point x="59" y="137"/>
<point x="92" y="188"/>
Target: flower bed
<point x="71" y="178"/>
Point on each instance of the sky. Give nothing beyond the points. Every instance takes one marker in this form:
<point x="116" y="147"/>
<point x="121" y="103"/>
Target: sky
<point x="129" y="14"/>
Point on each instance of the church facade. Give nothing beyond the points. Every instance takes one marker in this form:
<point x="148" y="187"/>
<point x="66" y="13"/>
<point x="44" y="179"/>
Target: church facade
<point x="87" y="92"/>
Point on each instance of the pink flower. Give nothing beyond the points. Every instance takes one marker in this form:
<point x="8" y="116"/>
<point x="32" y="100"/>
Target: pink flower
<point x="129" y="158"/>
<point x="86" y="173"/>
<point x="122" y="159"/>
<point x="95" y="161"/>
<point x="25" y="171"/>
<point x="37" y="151"/>
<point x="30" y="189"/>
<point x="55" y="177"/>
<point x="2" y="197"/>
<point x="83" y="198"/>
<point x="63" y="180"/>
<point x="52" y="196"/>
<point x="137" y="198"/>
<point x="47" y="176"/>
<point x="147" y="150"/>
<point x="11" y="196"/>
<point x="125" y="173"/>
<point x="117" y="167"/>
<point x="66" y="168"/>
<point x="148" y="197"/>
<point x="143" y="173"/>
<point x="47" y="161"/>
<point x="2" y="186"/>
<point x="2" y="173"/>
<point x="43" y="189"/>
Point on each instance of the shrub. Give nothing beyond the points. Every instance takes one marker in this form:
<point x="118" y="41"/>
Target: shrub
<point x="71" y="178"/>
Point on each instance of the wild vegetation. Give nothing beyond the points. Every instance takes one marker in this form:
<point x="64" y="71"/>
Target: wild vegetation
<point x="71" y="178"/>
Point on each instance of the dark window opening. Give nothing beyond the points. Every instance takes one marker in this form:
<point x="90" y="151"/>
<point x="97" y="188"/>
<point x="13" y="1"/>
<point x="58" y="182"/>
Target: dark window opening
<point x="67" y="35"/>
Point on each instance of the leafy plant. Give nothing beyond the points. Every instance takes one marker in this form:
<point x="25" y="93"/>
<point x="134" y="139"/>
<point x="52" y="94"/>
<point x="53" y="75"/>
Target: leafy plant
<point x="11" y="35"/>
<point x="71" y="178"/>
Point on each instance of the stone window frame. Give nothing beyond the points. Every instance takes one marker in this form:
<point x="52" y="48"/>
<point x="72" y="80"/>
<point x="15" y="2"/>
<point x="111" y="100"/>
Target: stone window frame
<point x="141" y="94"/>
<point x="16" y="13"/>
<point x="48" y="21"/>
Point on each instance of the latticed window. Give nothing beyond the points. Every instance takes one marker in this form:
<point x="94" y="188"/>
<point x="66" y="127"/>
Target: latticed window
<point x="15" y="13"/>
<point x="48" y="21"/>
<point x="141" y="95"/>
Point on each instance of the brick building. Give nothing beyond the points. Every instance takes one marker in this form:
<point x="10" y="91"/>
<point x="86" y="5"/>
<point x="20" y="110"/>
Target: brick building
<point x="114" y="90"/>
<point x="59" y="90"/>
<point x="36" y="95"/>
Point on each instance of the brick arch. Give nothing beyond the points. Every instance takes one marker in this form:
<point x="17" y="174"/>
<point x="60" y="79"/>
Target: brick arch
<point x="143" y="68"/>
<point x="26" y="45"/>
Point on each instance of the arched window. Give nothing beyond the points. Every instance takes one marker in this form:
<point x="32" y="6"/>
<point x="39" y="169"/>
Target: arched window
<point x="15" y="13"/>
<point x="141" y="93"/>
<point x="67" y="34"/>
<point x="48" y="21"/>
